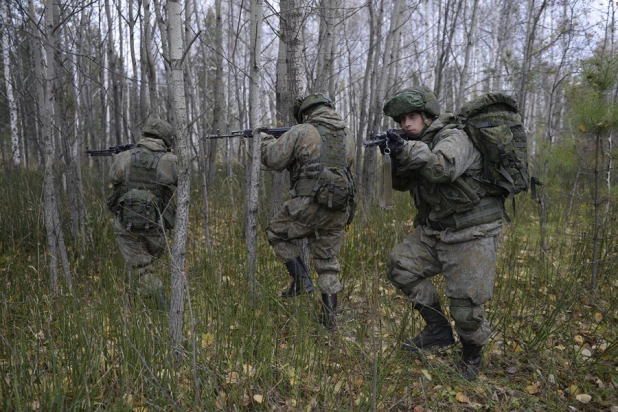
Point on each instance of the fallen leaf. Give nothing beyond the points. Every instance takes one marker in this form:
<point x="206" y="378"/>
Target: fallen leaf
<point x="532" y="389"/>
<point x="583" y="398"/>
<point x="207" y="339"/>
<point x="579" y="339"/>
<point x="512" y="370"/>
<point x="258" y="398"/>
<point x="598" y="316"/>
<point x="461" y="397"/>
<point x="419" y="408"/>
<point x="426" y="373"/>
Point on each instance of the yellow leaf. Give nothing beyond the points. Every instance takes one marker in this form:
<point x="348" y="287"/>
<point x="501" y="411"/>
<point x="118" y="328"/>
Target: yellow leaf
<point x="582" y="128"/>
<point x="461" y="397"/>
<point x="532" y="389"/>
<point x="207" y="339"/>
<point x="579" y="339"/>
<point x="598" y="316"/>
<point x="583" y="398"/>
<point x="258" y="398"/>
<point x="573" y="389"/>
<point x="426" y="373"/>
<point x="220" y="402"/>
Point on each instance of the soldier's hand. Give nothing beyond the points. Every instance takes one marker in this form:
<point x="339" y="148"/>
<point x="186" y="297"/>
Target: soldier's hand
<point x="395" y="141"/>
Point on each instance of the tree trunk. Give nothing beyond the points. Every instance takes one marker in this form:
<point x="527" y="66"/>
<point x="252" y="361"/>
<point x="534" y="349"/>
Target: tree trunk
<point x="183" y="193"/>
<point x="149" y="62"/>
<point x="533" y="20"/>
<point x="55" y="239"/>
<point x="14" y="132"/>
<point x="465" y="70"/>
<point x="254" y="99"/>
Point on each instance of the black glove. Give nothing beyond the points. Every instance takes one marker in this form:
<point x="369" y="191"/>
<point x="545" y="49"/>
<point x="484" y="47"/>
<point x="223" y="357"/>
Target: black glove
<point x="395" y="141"/>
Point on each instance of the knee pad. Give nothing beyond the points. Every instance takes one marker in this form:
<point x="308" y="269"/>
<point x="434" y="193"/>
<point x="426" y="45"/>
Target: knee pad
<point x="466" y="314"/>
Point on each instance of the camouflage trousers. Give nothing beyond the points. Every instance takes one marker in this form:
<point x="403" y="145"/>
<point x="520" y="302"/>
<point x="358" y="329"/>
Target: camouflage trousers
<point x="141" y="251"/>
<point x="301" y="218"/>
<point x="466" y="259"/>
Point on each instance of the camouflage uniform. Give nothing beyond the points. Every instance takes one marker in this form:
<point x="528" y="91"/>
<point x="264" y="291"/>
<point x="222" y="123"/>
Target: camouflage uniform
<point x="460" y="245"/>
<point x="456" y="227"/>
<point x="300" y="217"/>
<point x="141" y="249"/>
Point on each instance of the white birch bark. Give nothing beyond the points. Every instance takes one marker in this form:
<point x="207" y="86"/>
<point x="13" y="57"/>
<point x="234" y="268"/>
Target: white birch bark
<point x="255" y="42"/>
<point x="55" y="239"/>
<point x="15" y="148"/>
<point x="470" y="38"/>
<point x="183" y="192"/>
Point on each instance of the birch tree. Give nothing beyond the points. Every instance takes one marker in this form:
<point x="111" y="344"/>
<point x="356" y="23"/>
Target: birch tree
<point x="6" y="47"/>
<point x="47" y="90"/>
<point x="183" y="192"/>
<point x="255" y="27"/>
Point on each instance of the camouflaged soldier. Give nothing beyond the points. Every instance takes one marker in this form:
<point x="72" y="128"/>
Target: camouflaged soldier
<point x="319" y="144"/>
<point x="456" y="227"/>
<point x="144" y="183"/>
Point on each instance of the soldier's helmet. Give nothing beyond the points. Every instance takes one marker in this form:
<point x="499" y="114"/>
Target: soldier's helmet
<point x="415" y="99"/>
<point x="311" y="101"/>
<point x="159" y="129"/>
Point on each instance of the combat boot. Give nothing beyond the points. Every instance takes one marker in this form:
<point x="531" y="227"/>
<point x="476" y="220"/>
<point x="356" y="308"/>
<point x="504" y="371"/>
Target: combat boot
<point x="471" y="359"/>
<point x="300" y="277"/>
<point x="329" y="305"/>
<point x="437" y="332"/>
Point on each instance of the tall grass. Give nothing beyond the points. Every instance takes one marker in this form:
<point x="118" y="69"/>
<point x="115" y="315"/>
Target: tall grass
<point x="101" y="347"/>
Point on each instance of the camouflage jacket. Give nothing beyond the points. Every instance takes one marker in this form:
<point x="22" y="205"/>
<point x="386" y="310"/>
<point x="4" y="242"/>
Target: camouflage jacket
<point x="167" y="174"/>
<point x="302" y="143"/>
<point x="442" y="172"/>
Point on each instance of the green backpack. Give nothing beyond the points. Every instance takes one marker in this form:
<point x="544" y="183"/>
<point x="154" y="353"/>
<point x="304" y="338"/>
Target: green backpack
<point x="139" y="210"/>
<point x="494" y="124"/>
<point x="140" y="206"/>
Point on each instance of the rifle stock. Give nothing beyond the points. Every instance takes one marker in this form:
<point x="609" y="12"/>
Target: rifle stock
<point x="248" y="133"/>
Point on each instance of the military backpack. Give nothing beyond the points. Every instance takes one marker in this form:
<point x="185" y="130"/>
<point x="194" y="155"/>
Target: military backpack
<point x="494" y="124"/>
<point x="140" y="206"/>
<point x="328" y="179"/>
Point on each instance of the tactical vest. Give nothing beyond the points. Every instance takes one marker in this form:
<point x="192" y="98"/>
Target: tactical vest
<point x="332" y="154"/>
<point x="140" y="205"/>
<point x="457" y="205"/>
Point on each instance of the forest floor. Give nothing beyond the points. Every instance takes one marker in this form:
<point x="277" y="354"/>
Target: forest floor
<point x="554" y="345"/>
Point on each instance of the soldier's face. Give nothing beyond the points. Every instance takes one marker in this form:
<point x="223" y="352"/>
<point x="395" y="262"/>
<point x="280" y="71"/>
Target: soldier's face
<point x="412" y="123"/>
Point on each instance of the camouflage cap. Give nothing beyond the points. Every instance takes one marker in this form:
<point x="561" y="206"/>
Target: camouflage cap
<point x="303" y="105"/>
<point x="415" y="99"/>
<point x="161" y="129"/>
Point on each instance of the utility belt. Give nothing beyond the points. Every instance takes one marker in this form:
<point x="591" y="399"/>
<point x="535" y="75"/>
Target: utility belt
<point x="487" y="210"/>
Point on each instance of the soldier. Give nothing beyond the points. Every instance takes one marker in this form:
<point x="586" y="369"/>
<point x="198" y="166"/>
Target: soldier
<point x="456" y="227"/>
<point x="144" y="183"/>
<point x="318" y="145"/>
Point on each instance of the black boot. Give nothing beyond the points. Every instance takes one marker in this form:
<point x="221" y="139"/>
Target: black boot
<point x="471" y="359"/>
<point x="436" y="334"/>
<point x="329" y="305"/>
<point x="300" y="276"/>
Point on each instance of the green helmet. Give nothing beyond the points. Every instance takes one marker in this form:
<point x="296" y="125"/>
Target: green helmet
<point x="415" y="99"/>
<point x="160" y="129"/>
<point x="301" y="106"/>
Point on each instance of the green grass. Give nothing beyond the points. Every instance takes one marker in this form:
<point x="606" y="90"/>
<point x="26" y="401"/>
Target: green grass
<point x="99" y="348"/>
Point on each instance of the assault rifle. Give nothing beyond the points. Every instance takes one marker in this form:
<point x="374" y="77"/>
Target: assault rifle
<point x="248" y="133"/>
<point x="109" y="151"/>
<point x="380" y="138"/>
